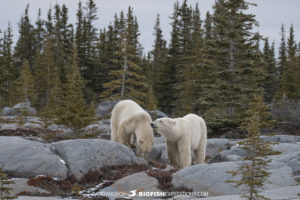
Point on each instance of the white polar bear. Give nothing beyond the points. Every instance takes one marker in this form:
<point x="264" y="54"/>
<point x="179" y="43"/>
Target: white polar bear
<point x="127" y="119"/>
<point x="183" y="135"/>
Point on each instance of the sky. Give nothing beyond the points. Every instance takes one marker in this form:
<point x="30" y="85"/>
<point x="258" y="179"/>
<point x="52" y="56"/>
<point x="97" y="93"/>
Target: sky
<point x="269" y="13"/>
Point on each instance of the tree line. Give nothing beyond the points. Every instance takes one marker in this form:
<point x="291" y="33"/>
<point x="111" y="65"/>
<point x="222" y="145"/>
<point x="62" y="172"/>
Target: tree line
<point x="211" y="66"/>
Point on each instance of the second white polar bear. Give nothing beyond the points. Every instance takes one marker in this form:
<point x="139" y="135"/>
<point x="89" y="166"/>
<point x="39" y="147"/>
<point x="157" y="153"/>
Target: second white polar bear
<point x="183" y="135"/>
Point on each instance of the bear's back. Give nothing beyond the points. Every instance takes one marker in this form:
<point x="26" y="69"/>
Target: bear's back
<point x="127" y="109"/>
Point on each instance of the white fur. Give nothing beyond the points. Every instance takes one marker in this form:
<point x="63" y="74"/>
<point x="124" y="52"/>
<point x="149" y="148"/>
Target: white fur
<point x="183" y="135"/>
<point x="127" y="119"/>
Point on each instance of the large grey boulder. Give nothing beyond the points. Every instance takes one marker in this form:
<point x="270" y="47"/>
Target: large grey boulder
<point x="104" y="108"/>
<point x="284" y="148"/>
<point x="90" y="154"/>
<point x="42" y="198"/>
<point x="18" y="109"/>
<point x="24" y="158"/>
<point x="216" y="145"/>
<point x="135" y="182"/>
<point x="282" y="138"/>
<point x="157" y="149"/>
<point x="285" y="193"/>
<point x="212" y="177"/>
<point x="20" y="185"/>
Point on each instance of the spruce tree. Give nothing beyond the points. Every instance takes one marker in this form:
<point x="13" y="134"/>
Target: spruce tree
<point x="46" y="76"/>
<point x="8" y="71"/>
<point x="292" y="83"/>
<point x="282" y="64"/>
<point x="25" y="85"/>
<point x="25" y="48"/>
<point x="254" y="167"/>
<point x="39" y="32"/>
<point x="271" y="83"/>
<point x="127" y="79"/>
<point x="4" y="188"/>
<point x="236" y="50"/>
<point x="159" y="54"/>
<point x="74" y="111"/>
<point x="2" y="74"/>
<point x="24" y="91"/>
<point x="167" y="75"/>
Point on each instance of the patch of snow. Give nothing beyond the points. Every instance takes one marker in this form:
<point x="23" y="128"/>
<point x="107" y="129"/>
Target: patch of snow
<point x="55" y="127"/>
<point x="9" y="126"/>
<point x="56" y="178"/>
<point x="41" y="175"/>
<point x="62" y="161"/>
<point x="92" y="192"/>
<point x="29" y="124"/>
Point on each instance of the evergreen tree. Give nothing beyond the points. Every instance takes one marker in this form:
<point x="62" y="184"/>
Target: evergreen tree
<point x="189" y="84"/>
<point x="128" y="78"/>
<point x="47" y="75"/>
<point x="159" y="54"/>
<point x="25" y="85"/>
<point x="167" y="75"/>
<point x="8" y="72"/>
<point x="282" y="64"/>
<point x="63" y="40"/>
<point x="25" y="48"/>
<point x="293" y="90"/>
<point x="75" y="112"/>
<point x="39" y="32"/>
<point x="2" y="74"/>
<point x="236" y="48"/>
<point x="254" y="168"/>
<point x="271" y="82"/>
<point x="4" y="188"/>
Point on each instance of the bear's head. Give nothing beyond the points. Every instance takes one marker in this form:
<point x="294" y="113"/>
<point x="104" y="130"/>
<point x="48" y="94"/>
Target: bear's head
<point x="165" y="127"/>
<point x="144" y="139"/>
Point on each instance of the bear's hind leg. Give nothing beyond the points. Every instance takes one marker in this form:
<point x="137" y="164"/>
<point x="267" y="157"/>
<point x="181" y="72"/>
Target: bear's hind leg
<point x="200" y="152"/>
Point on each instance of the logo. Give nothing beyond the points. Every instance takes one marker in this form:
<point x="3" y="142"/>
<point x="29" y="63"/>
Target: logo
<point x="132" y="193"/>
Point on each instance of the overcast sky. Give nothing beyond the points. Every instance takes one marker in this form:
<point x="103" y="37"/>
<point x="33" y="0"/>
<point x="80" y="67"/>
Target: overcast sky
<point x="270" y="14"/>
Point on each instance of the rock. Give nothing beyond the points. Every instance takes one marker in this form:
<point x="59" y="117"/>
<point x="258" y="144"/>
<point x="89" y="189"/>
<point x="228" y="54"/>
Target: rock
<point x="216" y="145"/>
<point x="104" y="108"/>
<point x="275" y="194"/>
<point x="103" y="127"/>
<point x="18" y="109"/>
<point x="41" y="198"/>
<point x="26" y="159"/>
<point x="138" y="181"/>
<point x="7" y="111"/>
<point x="211" y="177"/>
<point x="158" y="147"/>
<point x="282" y="138"/>
<point x="20" y="185"/>
<point x="59" y="128"/>
<point x="234" y="153"/>
<point x="155" y="114"/>
<point x="284" y="148"/>
<point x="156" y="151"/>
<point x="89" y="154"/>
<point x="164" y="157"/>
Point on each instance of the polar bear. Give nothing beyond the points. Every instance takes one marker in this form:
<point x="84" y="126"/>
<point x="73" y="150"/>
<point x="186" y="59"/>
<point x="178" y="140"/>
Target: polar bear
<point x="183" y="135"/>
<point x="129" y="119"/>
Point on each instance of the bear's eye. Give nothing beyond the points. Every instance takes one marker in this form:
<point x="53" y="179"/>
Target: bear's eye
<point x="160" y="121"/>
<point x="141" y="142"/>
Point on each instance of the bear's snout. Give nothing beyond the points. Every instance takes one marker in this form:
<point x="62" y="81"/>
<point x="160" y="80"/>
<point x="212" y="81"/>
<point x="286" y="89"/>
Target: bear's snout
<point x="153" y="125"/>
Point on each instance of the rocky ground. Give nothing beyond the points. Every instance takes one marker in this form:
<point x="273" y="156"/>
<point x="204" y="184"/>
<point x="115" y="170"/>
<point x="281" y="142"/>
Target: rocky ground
<point x="48" y="163"/>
